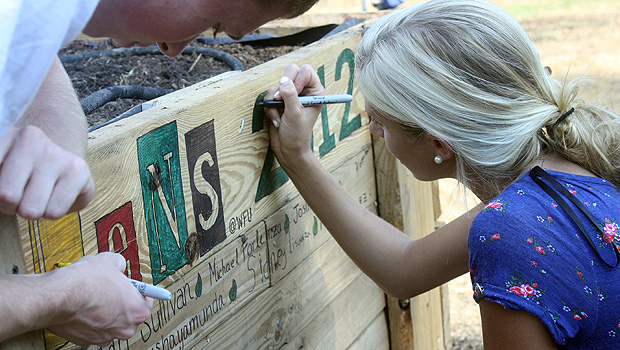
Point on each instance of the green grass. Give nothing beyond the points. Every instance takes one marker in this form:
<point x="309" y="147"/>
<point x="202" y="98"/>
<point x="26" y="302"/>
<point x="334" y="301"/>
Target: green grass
<point x="535" y="9"/>
<point x="526" y="9"/>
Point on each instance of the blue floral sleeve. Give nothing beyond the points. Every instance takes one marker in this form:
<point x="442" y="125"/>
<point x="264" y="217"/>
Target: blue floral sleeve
<point x="527" y="255"/>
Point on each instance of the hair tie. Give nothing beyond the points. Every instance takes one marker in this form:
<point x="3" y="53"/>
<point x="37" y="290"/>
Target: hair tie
<point x="562" y="117"/>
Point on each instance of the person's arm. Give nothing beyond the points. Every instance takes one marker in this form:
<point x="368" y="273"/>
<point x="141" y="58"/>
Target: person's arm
<point x="56" y="110"/>
<point x="88" y="302"/>
<point x="43" y="172"/>
<point x="506" y="329"/>
<point x="401" y="266"/>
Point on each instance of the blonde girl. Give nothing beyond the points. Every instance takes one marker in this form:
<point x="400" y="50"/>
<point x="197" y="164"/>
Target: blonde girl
<point x="457" y="90"/>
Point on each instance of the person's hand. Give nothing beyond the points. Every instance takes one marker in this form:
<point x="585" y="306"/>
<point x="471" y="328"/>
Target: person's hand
<point x="102" y="303"/>
<point x="291" y="129"/>
<point x="38" y="178"/>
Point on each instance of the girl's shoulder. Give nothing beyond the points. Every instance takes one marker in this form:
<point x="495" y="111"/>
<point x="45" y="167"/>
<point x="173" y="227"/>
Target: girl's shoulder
<point x="524" y="200"/>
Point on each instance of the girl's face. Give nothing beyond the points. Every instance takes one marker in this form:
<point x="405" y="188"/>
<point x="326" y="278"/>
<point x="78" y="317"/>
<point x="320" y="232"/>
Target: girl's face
<point x="173" y="24"/>
<point x="417" y="154"/>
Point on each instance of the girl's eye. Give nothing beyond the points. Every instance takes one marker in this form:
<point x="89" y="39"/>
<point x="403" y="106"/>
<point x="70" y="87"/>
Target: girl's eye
<point x="373" y="120"/>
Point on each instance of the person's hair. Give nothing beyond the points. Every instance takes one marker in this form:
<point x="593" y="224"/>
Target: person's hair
<point x="295" y="8"/>
<point x="467" y="73"/>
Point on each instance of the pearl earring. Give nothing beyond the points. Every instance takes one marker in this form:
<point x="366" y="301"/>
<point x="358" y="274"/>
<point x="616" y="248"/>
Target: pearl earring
<point x="438" y="159"/>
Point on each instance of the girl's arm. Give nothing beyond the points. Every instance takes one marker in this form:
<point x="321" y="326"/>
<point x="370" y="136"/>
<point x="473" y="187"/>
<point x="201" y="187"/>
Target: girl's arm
<point x="506" y="329"/>
<point x="401" y="266"/>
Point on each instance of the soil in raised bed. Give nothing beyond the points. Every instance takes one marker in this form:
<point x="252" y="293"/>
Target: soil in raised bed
<point x="92" y="74"/>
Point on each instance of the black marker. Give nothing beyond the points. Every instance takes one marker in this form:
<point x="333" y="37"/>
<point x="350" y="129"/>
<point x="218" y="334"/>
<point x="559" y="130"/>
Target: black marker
<point x="310" y="100"/>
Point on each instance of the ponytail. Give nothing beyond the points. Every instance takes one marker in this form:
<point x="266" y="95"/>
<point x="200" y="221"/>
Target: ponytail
<point x="588" y="136"/>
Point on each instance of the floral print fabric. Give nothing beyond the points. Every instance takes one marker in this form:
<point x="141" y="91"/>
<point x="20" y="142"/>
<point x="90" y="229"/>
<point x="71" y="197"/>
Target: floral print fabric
<point x="527" y="254"/>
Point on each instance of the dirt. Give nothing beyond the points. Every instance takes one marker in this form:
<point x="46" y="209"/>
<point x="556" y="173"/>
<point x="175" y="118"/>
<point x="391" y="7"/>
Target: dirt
<point x="89" y="75"/>
<point x="571" y="45"/>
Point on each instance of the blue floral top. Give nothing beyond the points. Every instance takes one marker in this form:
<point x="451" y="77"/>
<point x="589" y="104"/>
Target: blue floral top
<point x="526" y="254"/>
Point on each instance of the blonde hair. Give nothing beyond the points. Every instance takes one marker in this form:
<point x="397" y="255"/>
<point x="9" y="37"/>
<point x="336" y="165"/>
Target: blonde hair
<point x="467" y="73"/>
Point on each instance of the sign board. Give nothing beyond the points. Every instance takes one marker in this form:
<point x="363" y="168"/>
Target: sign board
<point x="190" y="193"/>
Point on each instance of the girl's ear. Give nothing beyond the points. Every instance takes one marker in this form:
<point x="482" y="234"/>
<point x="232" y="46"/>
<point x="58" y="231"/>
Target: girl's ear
<point x="441" y="147"/>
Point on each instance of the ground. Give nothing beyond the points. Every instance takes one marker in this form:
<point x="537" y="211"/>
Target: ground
<point x="571" y="42"/>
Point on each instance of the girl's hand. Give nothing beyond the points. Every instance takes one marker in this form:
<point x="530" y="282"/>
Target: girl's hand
<point x="291" y="129"/>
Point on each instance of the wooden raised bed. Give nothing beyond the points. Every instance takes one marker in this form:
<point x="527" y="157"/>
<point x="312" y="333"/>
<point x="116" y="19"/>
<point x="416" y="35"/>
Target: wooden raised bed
<point x="190" y="193"/>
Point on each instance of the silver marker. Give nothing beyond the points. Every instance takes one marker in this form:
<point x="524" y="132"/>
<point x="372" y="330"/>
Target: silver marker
<point x="309" y="100"/>
<point x="151" y="291"/>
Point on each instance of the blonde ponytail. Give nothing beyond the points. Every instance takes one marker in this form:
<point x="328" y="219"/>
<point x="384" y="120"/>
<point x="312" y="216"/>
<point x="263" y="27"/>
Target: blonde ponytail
<point x="467" y="73"/>
<point x="590" y="137"/>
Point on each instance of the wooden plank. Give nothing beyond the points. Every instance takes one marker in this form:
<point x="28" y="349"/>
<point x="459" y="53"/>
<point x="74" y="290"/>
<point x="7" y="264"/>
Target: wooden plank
<point x="347" y="318"/>
<point x="312" y="19"/>
<point x="241" y="271"/>
<point x="418" y="221"/>
<point x="445" y="312"/>
<point x="389" y="208"/>
<point x="418" y="323"/>
<point x="294" y="240"/>
<point x="12" y="261"/>
<point x="279" y="314"/>
<point x="285" y="250"/>
<point x="375" y="337"/>
<point x="336" y="6"/>
<point x="295" y="233"/>
<point x="209" y="294"/>
<point x="188" y="189"/>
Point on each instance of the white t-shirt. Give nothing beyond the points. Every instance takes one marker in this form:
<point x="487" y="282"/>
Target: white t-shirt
<point x="31" y="33"/>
